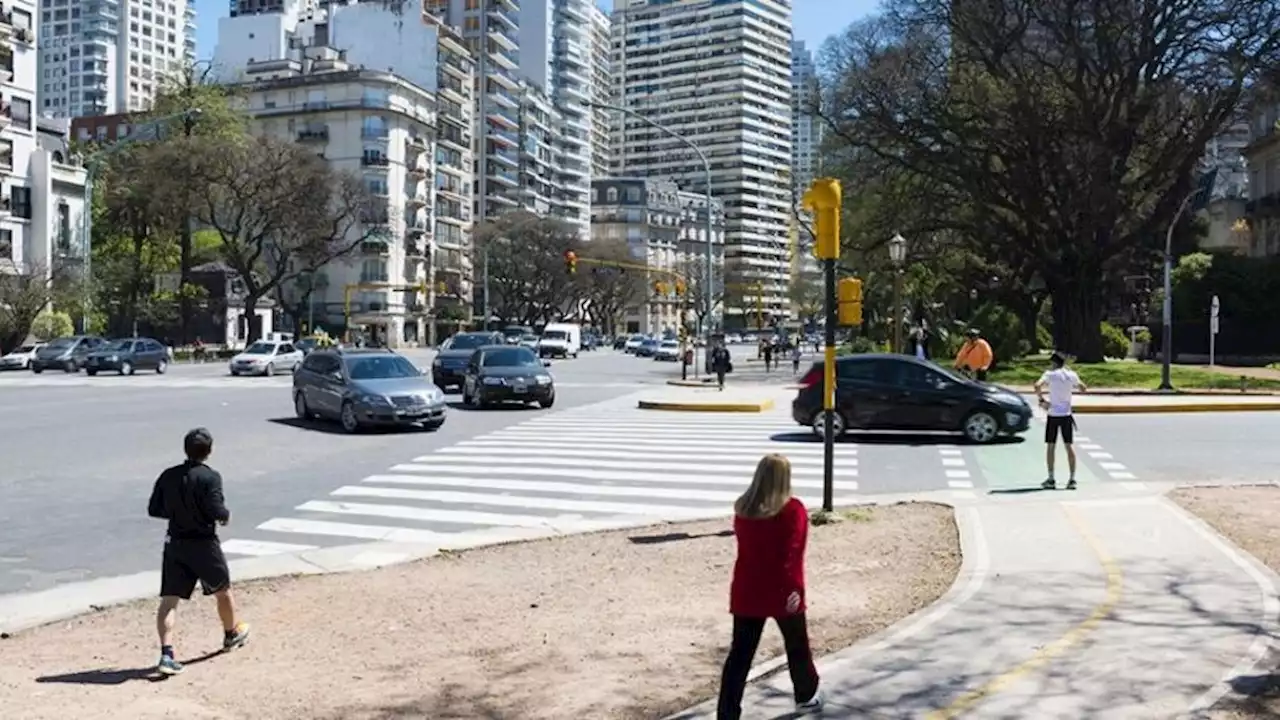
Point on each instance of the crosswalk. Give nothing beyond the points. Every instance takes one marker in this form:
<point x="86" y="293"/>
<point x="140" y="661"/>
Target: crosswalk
<point x="177" y="382"/>
<point x="594" y="467"/>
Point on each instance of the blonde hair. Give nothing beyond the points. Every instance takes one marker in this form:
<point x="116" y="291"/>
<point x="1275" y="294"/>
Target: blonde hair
<point x="770" y="489"/>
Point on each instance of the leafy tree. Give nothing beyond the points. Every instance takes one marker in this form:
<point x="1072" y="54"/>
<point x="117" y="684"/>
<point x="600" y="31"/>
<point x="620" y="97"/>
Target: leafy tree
<point x="528" y="281"/>
<point x="608" y="290"/>
<point x="23" y="297"/>
<point x="807" y="294"/>
<point x="1069" y="132"/>
<point x="279" y="211"/>
<point x="52" y="324"/>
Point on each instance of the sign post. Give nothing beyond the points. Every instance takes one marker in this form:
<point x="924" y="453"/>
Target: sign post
<point x="824" y="199"/>
<point x="1213" y="329"/>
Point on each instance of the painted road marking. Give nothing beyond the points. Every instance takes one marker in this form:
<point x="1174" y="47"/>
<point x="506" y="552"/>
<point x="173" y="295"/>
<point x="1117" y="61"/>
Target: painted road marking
<point x="453" y="497"/>
<point x="457" y="517"/>
<point x="608" y="475"/>
<point x="958" y="473"/>
<point x="950" y="451"/>
<point x="717" y="496"/>
<point x="960" y="483"/>
<point x="260" y="548"/>
<point x="1100" y="455"/>
<point x="1109" y="466"/>
<point x="1088" y="446"/>
<point x="488" y="460"/>
<point x="327" y="528"/>
<point x="560" y="440"/>
<point x="533" y="453"/>
<point x="953" y="462"/>
<point x="1122" y="476"/>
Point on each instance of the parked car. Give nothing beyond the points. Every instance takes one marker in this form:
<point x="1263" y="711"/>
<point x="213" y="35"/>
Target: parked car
<point x="668" y="351"/>
<point x="266" y="357"/>
<point x="366" y="387"/>
<point x="501" y="373"/>
<point x="128" y="355"/>
<point x="633" y="343"/>
<point x="65" y="353"/>
<point x="647" y="347"/>
<point x="530" y="341"/>
<point x="448" y="368"/>
<point x="901" y="392"/>
<point x="512" y="334"/>
<point x="19" y="358"/>
<point x="620" y="342"/>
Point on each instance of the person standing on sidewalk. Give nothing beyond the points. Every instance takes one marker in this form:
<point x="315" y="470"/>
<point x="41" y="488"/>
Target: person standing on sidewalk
<point x="721" y="363"/>
<point x="795" y="358"/>
<point x="975" y="356"/>
<point x="767" y="350"/>
<point x="1061" y="381"/>
<point x="190" y="497"/>
<point x="772" y="531"/>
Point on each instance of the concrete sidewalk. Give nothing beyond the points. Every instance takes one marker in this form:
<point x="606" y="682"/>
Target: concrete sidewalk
<point x="1098" y="403"/>
<point x="1097" y="608"/>
<point x="708" y="398"/>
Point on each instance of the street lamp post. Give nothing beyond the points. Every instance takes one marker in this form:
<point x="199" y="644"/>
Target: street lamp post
<point x="145" y="131"/>
<point x="706" y="166"/>
<point x="898" y="256"/>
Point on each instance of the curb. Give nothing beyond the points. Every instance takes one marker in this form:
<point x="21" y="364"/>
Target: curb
<point x="722" y="407"/>
<point x="1175" y="408"/>
<point x="690" y="383"/>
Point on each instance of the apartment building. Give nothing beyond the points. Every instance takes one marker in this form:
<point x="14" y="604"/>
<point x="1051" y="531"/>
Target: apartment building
<point x="42" y="186"/>
<point x="602" y="90"/>
<point x="665" y="229"/>
<point x="1259" y="234"/>
<point x="99" y="57"/>
<point x="718" y="74"/>
<point x="806" y="128"/>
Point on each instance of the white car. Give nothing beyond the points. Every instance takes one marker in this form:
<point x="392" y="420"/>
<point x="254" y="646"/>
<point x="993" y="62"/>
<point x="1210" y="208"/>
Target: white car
<point x="633" y="343"/>
<point x="20" y="358"/>
<point x="266" y="357"/>
<point x="668" y="350"/>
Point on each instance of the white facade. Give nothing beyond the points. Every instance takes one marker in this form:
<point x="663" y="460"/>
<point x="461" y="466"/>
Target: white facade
<point x="41" y="186"/>
<point x="719" y="75"/>
<point x="100" y="57"/>
<point x="602" y="90"/>
<point x="806" y="128"/>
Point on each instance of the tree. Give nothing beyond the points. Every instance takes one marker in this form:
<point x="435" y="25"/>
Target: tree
<point x="694" y="270"/>
<point x="807" y="295"/>
<point x="609" y="290"/>
<point x="280" y="211"/>
<point x="1067" y="133"/>
<point x="528" y="281"/>
<point x="25" y="293"/>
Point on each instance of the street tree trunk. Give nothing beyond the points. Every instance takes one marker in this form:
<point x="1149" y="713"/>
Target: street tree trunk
<point x="249" y="315"/>
<point x="1077" y="314"/>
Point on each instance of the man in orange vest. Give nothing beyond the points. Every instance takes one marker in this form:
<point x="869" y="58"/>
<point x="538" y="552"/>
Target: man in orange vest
<point x="975" y="355"/>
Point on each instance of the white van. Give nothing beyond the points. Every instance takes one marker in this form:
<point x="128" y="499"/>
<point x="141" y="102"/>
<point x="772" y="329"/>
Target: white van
<point x="560" y="340"/>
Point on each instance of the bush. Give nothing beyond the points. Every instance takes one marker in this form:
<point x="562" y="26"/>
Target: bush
<point x="1115" y="344"/>
<point x="1003" y="330"/>
<point x="1044" y="338"/>
<point x="50" y="325"/>
<point x="862" y="344"/>
<point x="1143" y="336"/>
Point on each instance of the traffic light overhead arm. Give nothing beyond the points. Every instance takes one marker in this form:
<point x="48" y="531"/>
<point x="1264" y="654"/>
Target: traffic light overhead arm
<point x="825" y="198"/>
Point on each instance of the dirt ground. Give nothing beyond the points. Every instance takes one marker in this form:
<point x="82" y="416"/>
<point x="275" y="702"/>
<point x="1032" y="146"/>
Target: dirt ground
<point x="1246" y="515"/>
<point x="630" y="624"/>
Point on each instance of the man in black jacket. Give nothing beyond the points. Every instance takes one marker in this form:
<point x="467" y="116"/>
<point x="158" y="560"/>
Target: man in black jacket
<point x="190" y="497"/>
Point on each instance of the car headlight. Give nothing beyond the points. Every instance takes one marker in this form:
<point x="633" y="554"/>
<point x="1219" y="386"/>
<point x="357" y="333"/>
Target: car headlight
<point x="374" y="400"/>
<point x="435" y="396"/>
<point x="492" y="381"/>
<point x="114" y="358"/>
<point x="544" y="379"/>
<point x="437" y="363"/>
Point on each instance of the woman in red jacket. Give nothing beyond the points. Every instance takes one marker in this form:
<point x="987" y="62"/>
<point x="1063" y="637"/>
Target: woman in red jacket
<point x="772" y="529"/>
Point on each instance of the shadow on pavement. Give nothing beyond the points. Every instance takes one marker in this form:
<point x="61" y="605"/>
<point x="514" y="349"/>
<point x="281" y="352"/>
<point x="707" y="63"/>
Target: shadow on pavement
<point x="892" y="438"/>
<point x="675" y="537"/>
<point x="459" y="405"/>
<point x="1019" y="490"/>
<point x="118" y="676"/>
<point x="333" y="428"/>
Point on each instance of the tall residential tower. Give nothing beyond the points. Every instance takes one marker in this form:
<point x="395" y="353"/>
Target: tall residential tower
<point x="806" y="129"/>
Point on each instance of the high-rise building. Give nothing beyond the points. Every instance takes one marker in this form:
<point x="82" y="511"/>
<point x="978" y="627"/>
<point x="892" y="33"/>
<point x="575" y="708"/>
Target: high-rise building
<point x="718" y="74"/>
<point x="601" y="93"/>
<point x="806" y="128"/>
<point x="99" y="57"/>
<point x="42" y="188"/>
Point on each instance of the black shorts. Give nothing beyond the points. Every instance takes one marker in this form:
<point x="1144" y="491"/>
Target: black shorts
<point x="187" y="562"/>
<point x="1066" y="424"/>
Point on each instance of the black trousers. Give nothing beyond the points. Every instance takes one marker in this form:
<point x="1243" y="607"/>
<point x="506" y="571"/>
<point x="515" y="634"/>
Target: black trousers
<point x="742" y="650"/>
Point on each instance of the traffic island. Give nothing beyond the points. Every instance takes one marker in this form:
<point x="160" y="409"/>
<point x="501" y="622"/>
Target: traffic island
<point x="711" y="400"/>
<point x="1098" y="404"/>
<point x="541" y="630"/>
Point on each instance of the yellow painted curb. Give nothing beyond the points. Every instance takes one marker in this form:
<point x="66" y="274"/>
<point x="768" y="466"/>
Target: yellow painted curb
<point x="1175" y="408"/>
<point x="688" y="383"/>
<point x="706" y="406"/>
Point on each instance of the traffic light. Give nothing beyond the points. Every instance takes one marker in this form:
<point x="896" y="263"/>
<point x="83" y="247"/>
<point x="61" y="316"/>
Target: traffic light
<point x="660" y="289"/>
<point x="441" y="287"/>
<point x="849" y="295"/>
<point x="824" y="198"/>
<point x="680" y="288"/>
<point x="570" y="261"/>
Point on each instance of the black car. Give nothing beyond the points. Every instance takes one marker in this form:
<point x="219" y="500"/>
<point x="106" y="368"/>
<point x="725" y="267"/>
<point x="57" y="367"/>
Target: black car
<point x="900" y="392"/>
<point x="620" y="342"/>
<point x="127" y="355"/>
<point x="450" y="365"/>
<point x="66" y="353"/>
<point x="504" y="373"/>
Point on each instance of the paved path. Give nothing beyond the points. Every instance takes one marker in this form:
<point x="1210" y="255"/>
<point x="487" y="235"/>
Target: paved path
<point x="1070" y="606"/>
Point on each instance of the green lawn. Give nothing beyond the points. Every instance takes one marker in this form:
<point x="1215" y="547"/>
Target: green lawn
<point x="1135" y="375"/>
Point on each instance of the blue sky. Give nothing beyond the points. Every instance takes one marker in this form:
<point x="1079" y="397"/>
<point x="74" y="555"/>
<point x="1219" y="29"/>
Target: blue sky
<point x="813" y="20"/>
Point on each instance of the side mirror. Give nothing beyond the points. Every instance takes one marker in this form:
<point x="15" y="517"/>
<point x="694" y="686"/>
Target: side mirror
<point x="337" y="377"/>
<point x="546" y="363"/>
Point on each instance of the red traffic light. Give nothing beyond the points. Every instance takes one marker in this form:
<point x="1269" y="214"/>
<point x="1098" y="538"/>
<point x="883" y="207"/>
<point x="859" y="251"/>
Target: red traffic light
<point x="571" y="261"/>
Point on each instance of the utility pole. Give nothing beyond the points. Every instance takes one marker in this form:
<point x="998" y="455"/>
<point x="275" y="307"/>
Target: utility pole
<point x="824" y="198"/>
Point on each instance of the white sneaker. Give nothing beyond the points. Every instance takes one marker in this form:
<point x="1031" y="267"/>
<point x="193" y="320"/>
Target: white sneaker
<point x="813" y="704"/>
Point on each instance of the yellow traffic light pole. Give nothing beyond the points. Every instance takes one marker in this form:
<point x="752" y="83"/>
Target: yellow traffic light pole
<point x="824" y="198"/>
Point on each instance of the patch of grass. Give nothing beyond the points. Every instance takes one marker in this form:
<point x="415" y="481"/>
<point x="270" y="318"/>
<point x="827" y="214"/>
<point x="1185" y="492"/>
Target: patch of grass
<point x="862" y="514"/>
<point x="1126" y="374"/>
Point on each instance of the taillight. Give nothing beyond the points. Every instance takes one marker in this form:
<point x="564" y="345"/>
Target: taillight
<point x="813" y="377"/>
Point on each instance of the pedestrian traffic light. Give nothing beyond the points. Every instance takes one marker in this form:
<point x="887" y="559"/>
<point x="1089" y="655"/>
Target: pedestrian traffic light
<point x="849" y="295"/>
<point x="570" y="261"/>
<point x="824" y="198"/>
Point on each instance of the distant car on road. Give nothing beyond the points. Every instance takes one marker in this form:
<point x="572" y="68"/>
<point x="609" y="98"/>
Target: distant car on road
<point x="19" y="358"/>
<point x="513" y="334"/>
<point x="501" y="373"/>
<point x="448" y="368"/>
<point x="620" y="342"/>
<point x="667" y="350"/>
<point x="647" y="348"/>
<point x="900" y="392"/>
<point x="530" y="341"/>
<point x="633" y="343"/>
<point x="366" y="387"/>
<point x="65" y="353"/>
<point x="266" y="357"/>
<point x="127" y="355"/>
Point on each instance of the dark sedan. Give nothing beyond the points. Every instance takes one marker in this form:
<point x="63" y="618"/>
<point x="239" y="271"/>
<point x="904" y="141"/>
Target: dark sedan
<point x="66" y="353"/>
<point x="502" y="373"/>
<point x="128" y="355"/>
<point x="449" y="367"/>
<point x="899" y="392"/>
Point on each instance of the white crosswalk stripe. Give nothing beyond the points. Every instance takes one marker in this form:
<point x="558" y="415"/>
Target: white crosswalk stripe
<point x="211" y="382"/>
<point x="588" y="468"/>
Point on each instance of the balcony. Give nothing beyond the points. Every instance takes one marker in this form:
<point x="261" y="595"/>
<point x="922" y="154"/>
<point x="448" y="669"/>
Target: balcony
<point x="509" y="19"/>
<point x="375" y="134"/>
<point x="375" y="161"/>
<point x="498" y="37"/>
<point x="503" y="76"/>
<point x="416" y="145"/>
<point x="505" y="138"/>
<point x="499" y="116"/>
<point x="375" y="248"/>
<point x="417" y="200"/>
<point x="504" y="98"/>
<point x="455" y="66"/>
<point x="415" y="250"/>
<point x="417" y="172"/>
<point x="501" y="59"/>
<point x="417" y="228"/>
<point x="504" y="177"/>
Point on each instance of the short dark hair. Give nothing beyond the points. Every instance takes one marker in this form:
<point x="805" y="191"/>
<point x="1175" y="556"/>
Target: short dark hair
<point x="198" y="444"/>
<point x="1058" y="359"/>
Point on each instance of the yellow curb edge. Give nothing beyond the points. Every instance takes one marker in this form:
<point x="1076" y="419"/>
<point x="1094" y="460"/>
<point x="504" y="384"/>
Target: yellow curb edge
<point x="761" y="406"/>
<point x="689" y="383"/>
<point x="1175" y="408"/>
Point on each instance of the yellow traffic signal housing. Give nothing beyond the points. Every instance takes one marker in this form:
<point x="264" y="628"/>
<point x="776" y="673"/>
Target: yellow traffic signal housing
<point x="849" y="295"/>
<point x="659" y="288"/>
<point x="680" y="288"/>
<point x="824" y="198"/>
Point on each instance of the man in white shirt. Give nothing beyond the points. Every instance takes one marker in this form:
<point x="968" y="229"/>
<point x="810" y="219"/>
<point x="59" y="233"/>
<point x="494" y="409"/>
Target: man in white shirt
<point x="1060" y="381"/>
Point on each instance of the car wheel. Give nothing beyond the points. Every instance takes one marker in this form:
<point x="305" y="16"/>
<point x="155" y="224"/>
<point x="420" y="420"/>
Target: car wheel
<point x="347" y="416"/>
<point x="818" y="423"/>
<point x="544" y="404"/>
<point x="126" y="368"/>
<point x="300" y="406"/>
<point x="162" y="366"/>
<point x="981" y="427"/>
<point x="91" y="373"/>
<point x="270" y="370"/>
<point x="37" y="369"/>
<point x="235" y="373"/>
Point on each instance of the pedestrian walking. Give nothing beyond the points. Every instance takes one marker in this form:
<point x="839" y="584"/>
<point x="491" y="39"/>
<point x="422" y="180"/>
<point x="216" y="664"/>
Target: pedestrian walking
<point x="768" y="356"/>
<point x="772" y="530"/>
<point x="975" y="356"/>
<point x="721" y="363"/>
<point x="190" y="497"/>
<point x="1060" y="381"/>
<point x="795" y="359"/>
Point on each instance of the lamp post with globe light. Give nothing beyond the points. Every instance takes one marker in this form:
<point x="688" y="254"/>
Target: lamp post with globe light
<point x="897" y="256"/>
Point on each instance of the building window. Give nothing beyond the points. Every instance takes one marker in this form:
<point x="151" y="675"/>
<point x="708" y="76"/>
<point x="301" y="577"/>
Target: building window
<point x="611" y="195"/>
<point x="6" y="244"/>
<point x="372" y="271"/>
<point x="21" y="202"/>
<point x="633" y="194"/>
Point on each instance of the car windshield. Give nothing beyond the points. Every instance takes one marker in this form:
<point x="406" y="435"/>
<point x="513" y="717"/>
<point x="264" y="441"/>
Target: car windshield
<point x="555" y="335"/>
<point x="637" y="338"/>
<point x="650" y="342"/>
<point x="60" y="344"/>
<point x="950" y="375"/>
<point x="260" y="348"/>
<point x="467" y="342"/>
<point x="380" y="367"/>
<point x="25" y="349"/>
<point x="670" y="344"/>
<point x="511" y="357"/>
<point x="530" y="338"/>
<point x="120" y="345"/>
